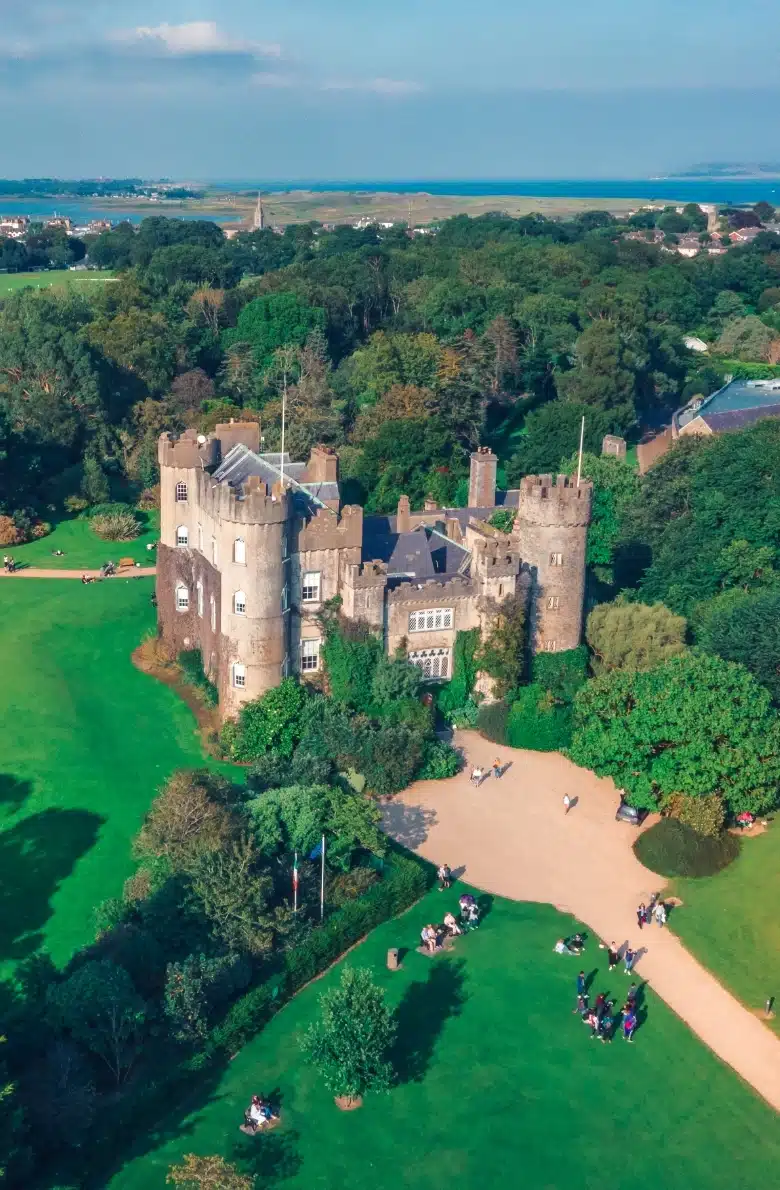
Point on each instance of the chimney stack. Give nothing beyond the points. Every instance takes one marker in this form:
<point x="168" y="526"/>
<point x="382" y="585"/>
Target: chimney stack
<point x="404" y="515"/>
<point x="323" y="465"/>
<point x="482" y="478"/>
<point x="430" y="504"/>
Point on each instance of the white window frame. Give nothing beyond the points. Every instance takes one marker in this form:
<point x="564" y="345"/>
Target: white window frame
<point x="200" y="538"/>
<point x="182" y="537"/>
<point x="435" y="664"/>
<point x="551" y="646"/>
<point x="432" y="619"/>
<point x="181" y="492"/>
<point x="313" y="586"/>
<point x="285" y="598"/>
<point x="285" y="546"/>
<point x="556" y="558"/>
<point x="239" y="551"/>
<point x="553" y="603"/>
<point x="199" y="593"/>
<point x="239" y="603"/>
<point x="182" y="598"/>
<point x="310" y="652"/>
<point x="213" y="613"/>
<point x="213" y="551"/>
<point x="238" y="675"/>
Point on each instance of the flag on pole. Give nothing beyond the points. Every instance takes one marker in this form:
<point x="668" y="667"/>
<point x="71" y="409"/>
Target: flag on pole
<point x="322" y="880"/>
<point x="316" y="852"/>
<point x="295" y="883"/>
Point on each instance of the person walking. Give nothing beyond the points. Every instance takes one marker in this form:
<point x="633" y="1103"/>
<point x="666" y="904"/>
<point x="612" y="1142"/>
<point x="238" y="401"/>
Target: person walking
<point x="651" y="908"/>
<point x="629" y="1024"/>
<point x="582" y="994"/>
<point x="498" y="771"/>
<point x="629" y="958"/>
<point x="660" y="914"/>
<point x="613" y="955"/>
<point x="445" y="877"/>
<point x="631" y="997"/>
<point x="641" y="915"/>
<point x="566" y="803"/>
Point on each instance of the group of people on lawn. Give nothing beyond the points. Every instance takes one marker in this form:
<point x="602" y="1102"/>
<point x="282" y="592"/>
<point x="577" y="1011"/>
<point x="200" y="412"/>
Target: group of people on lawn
<point x="434" y="936"/>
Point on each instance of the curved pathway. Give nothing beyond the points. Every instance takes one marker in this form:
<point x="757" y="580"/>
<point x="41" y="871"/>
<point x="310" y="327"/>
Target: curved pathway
<point x="511" y="837"/>
<point x="37" y="572"/>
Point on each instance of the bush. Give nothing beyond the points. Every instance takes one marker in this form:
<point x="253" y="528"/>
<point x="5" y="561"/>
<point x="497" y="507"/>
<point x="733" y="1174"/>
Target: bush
<point x="465" y="716"/>
<point x="75" y="503"/>
<point x="271" y="723"/>
<point x="458" y="690"/>
<point x="9" y="534"/>
<point x="115" y="508"/>
<point x="536" y="721"/>
<point x="190" y="662"/>
<point x="439" y="760"/>
<point x="40" y="529"/>
<point x="703" y="814"/>
<point x="562" y="674"/>
<point x="117" y="526"/>
<point x="348" y="886"/>
<point x="492" y="721"/>
<point x="671" y="848"/>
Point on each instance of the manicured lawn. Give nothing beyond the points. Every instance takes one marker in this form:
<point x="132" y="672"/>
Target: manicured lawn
<point x="501" y="1085"/>
<point x="86" y="741"/>
<point x="84" y="549"/>
<point x="731" y="921"/>
<point x="55" y="278"/>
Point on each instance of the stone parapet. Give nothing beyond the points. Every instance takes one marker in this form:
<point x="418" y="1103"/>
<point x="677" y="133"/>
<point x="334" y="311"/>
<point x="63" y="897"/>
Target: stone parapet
<point x="330" y="530"/>
<point x="554" y="500"/>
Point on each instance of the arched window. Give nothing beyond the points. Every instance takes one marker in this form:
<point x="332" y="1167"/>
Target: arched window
<point x="239" y="551"/>
<point x="213" y="610"/>
<point x="239" y="603"/>
<point x="199" y="591"/>
<point x="239" y="676"/>
<point x="182" y="598"/>
<point x="182" y="536"/>
<point x="181" y="491"/>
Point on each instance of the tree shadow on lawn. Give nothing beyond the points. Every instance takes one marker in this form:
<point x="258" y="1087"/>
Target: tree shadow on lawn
<point x="426" y="1006"/>
<point x="36" y="855"/>
<point x="408" y="825"/>
<point x="269" y="1157"/>
<point x="13" y="792"/>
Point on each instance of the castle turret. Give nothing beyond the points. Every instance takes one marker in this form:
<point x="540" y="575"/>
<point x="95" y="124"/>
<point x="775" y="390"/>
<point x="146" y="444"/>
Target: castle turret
<point x="551" y="530"/>
<point x="482" y="478"/>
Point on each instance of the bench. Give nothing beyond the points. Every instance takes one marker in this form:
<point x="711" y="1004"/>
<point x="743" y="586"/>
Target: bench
<point x="124" y="563"/>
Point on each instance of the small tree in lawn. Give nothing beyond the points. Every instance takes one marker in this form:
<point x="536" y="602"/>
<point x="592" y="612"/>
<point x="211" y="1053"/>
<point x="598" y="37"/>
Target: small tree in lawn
<point x="208" y="1173"/>
<point x="350" y="1043"/>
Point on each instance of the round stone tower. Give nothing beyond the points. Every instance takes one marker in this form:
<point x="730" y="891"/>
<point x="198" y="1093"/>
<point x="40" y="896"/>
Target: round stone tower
<point x="551" y="530"/>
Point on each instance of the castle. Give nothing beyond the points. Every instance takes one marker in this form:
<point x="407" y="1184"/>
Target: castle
<point x="252" y="545"/>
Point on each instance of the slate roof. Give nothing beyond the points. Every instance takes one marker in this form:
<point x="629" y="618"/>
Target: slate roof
<point x="240" y="462"/>
<point x="750" y="399"/>
<point x="421" y="553"/>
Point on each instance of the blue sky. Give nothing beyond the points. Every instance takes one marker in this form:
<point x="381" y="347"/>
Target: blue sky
<point x="410" y="89"/>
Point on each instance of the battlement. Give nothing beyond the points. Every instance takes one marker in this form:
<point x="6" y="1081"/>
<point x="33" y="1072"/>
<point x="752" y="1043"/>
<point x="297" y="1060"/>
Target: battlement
<point x="495" y="557"/>
<point x="251" y="505"/>
<point x="187" y="451"/>
<point x="554" y="500"/>
<point x="433" y="591"/>
<point x="368" y="574"/>
<point x="330" y="530"/>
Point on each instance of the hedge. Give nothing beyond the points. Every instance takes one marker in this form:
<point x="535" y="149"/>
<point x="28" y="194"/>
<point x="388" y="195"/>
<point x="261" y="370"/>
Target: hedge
<point x="535" y="722"/>
<point x="492" y="722"/>
<point x="671" y="848"/>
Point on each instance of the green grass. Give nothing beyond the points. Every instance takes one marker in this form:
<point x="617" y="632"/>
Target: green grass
<point x="54" y="279"/>
<point x="501" y="1085"/>
<point x="83" y="549"/>
<point x="731" y="924"/>
<point x="86" y="741"/>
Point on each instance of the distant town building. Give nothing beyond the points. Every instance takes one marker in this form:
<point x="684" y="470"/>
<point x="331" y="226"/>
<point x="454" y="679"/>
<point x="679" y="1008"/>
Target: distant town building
<point x="59" y="222"/>
<point x="738" y="404"/>
<point x="14" y="226"/>
<point x="695" y="344"/>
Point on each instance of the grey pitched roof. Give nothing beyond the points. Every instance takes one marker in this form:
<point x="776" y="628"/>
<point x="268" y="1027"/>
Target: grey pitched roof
<point x="240" y="462"/>
<point x="422" y="552"/>
<point x="760" y="397"/>
<point x="411" y="555"/>
<point x="737" y="419"/>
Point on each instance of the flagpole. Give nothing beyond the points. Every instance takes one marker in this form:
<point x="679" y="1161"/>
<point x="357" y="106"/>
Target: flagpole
<point x="579" y="460"/>
<point x="295" y="883"/>
<point x="322" y="882"/>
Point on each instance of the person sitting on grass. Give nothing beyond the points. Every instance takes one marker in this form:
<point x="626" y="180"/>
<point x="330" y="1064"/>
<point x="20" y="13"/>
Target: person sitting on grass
<point x="562" y="947"/>
<point x="576" y="944"/>
<point x="259" y="1113"/>
<point x="451" y="924"/>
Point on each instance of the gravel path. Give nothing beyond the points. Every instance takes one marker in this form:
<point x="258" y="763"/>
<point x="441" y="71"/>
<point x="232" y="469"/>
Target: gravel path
<point x="511" y="837"/>
<point x="36" y="572"/>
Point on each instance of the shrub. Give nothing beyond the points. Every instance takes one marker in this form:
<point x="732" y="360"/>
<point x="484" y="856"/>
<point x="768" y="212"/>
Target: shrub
<point x="113" y="508"/>
<point x="75" y="503"/>
<point x="492" y="721"/>
<point x="465" y="716"/>
<point x="190" y="662"/>
<point x="118" y="526"/>
<point x="272" y="723"/>
<point x="536" y="721"/>
<point x="464" y="673"/>
<point x="348" y="886"/>
<point x="149" y="499"/>
<point x="562" y="674"/>
<point x="40" y="529"/>
<point x="439" y="760"/>
<point x="704" y="814"/>
<point x="9" y="534"/>
<point x="671" y="848"/>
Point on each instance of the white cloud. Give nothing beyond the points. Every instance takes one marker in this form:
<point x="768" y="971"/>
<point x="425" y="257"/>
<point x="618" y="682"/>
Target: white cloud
<point x="195" y="37"/>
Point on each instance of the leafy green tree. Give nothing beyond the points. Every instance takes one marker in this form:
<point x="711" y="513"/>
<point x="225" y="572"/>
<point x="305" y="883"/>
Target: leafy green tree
<point x="350" y="1044"/>
<point x="11" y="1120"/>
<point x="615" y="486"/>
<point x="231" y="890"/>
<point x="744" y="627"/>
<point x="271" y="723"/>
<point x="746" y="338"/>
<point x="406" y="457"/>
<point x="552" y="433"/>
<point x="634" y="636"/>
<point x="295" y="818"/>
<point x="196" y="986"/>
<point x="278" y="320"/>
<point x="100" y="1008"/>
<point x="695" y="725"/>
<point x="351" y="655"/>
<point x="395" y="679"/>
<point x="602" y="377"/>
<point x="187" y="818"/>
<point x="94" y="485"/>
